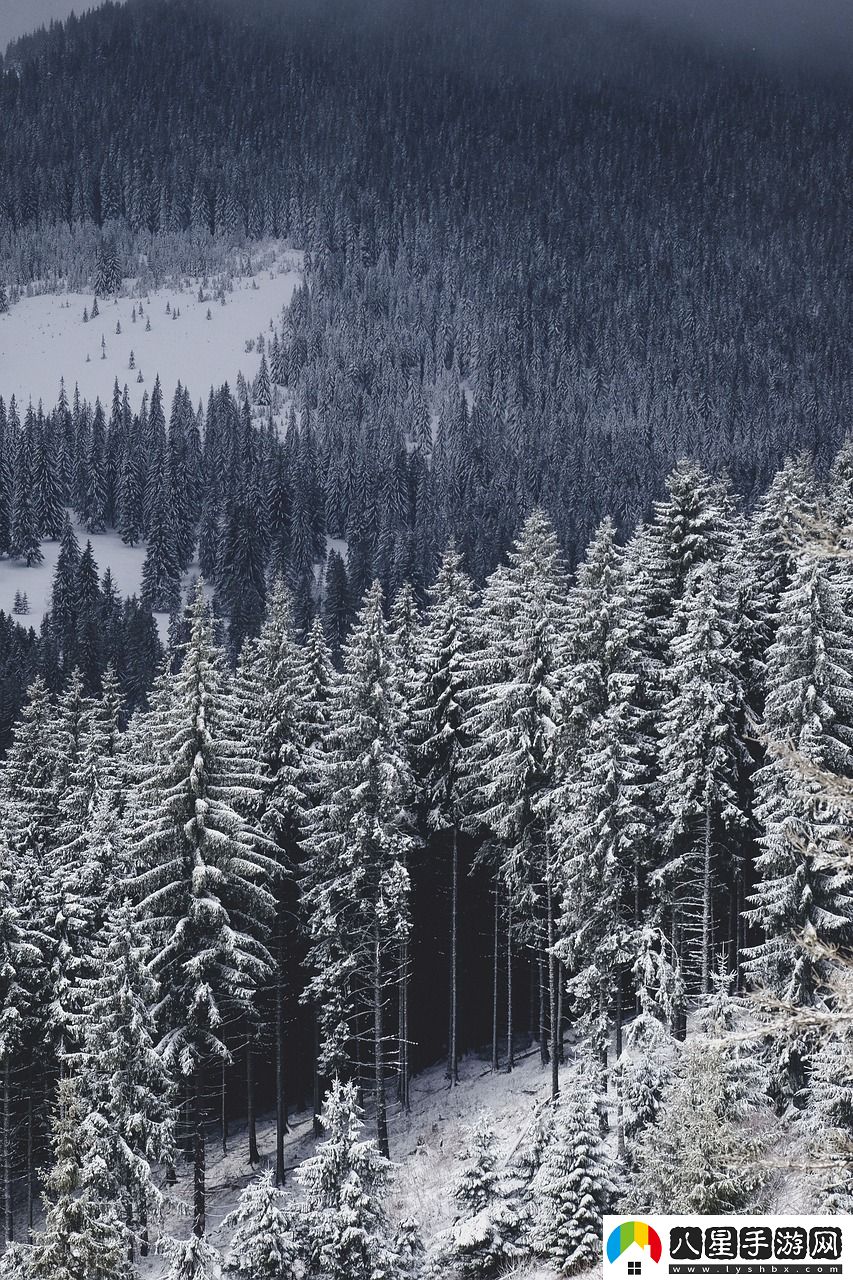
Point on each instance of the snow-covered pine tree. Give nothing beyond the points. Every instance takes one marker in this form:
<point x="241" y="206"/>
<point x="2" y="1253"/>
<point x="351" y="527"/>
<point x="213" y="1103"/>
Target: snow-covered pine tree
<point x="22" y="960"/>
<point x="346" y="1232"/>
<point x="702" y="753"/>
<point x="808" y="714"/>
<point x="356" y="888"/>
<point x="512" y="766"/>
<point x="601" y="832"/>
<point x="193" y="1259"/>
<point x="124" y="1083"/>
<point x="82" y="1237"/>
<point x="161" y="574"/>
<point x="271" y="689"/>
<point x="486" y="1238"/>
<point x="830" y="1120"/>
<point x="204" y="871"/>
<point x="28" y="790"/>
<point x="574" y="1188"/>
<point x="265" y="1244"/>
<point x="439" y="729"/>
<point x="772" y="544"/>
<point x="699" y="1156"/>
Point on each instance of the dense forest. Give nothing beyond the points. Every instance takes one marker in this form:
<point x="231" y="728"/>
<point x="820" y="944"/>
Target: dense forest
<point x="588" y="794"/>
<point x="506" y="699"/>
<point x="623" y="252"/>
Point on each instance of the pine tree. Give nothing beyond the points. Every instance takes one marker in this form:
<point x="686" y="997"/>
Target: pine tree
<point x="272" y="690"/>
<point x="347" y="1235"/>
<point x="702" y="751"/>
<point x="124" y="1081"/>
<point x="512" y="768"/>
<point x="485" y="1240"/>
<point x="204" y="870"/>
<point x="357" y="887"/>
<point x="264" y="1245"/>
<point x="193" y="1259"/>
<point x="441" y="736"/>
<point x="161" y="575"/>
<point x="699" y="1156"/>
<point x="573" y="1189"/>
<point x="82" y="1238"/>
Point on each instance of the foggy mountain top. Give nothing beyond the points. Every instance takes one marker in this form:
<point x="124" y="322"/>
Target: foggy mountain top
<point x="812" y="34"/>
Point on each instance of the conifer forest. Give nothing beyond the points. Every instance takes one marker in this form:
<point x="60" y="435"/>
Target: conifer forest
<point x="426" y="740"/>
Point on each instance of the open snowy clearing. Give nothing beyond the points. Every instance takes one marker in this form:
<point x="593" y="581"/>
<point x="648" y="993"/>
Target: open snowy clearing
<point x="44" y="338"/>
<point x="426" y="1147"/>
<point x="36" y="582"/>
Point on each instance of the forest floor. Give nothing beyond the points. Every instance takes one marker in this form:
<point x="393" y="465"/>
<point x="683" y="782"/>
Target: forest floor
<point x="427" y="1147"/>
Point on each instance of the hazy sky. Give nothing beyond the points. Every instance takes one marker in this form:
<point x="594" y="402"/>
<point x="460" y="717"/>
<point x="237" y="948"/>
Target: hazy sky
<point x="17" y="17"/>
<point x="810" y="30"/>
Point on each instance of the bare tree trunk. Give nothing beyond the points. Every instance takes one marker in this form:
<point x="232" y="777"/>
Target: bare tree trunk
<point x="223" y="1113"/>
<point x="552" y="996"/>
<point x="510" y="1056"/>
<point x="280" y="1102"/>
<point x="318" y="1100"/>
<point x="706" y="906"/>
<point x="495" y="1053"/>
<point x="543" y="1034"/>
<point x="560" y="1028"/>
<point x="30" y="1196"/>
<point x="251" y="1113"/>
<point x="378" y="1057"/>
<point x="452" y="1049"/>
<point x="620" y="1117"/>
<point x="403" y="1029"/>
<point x="199" y="1157"/>
<point x="7" y="1152"/>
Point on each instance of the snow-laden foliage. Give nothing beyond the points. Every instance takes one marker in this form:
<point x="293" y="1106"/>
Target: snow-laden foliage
<point x="264" y="1244"/>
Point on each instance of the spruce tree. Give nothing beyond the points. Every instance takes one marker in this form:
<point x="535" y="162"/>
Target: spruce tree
<point x="441" y="737"/>
<point x="82" y="1237"/>
<point x="345" y="1182"/>
<point x="264" y="1245"/>
<point x="702" y="752"/>
<point x="357" y="888"/>
<point x="573" y="1189"/>
<point x="204" y="875"/>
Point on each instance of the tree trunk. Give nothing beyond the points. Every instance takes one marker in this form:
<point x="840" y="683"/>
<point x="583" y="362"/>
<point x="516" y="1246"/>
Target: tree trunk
<point x="495" y="1053"/>
<point x="452" y="1051"/>
<point x="620" y="1117"/>
<point x="280" y="1102"/>
<point x="403" y="1029"/>
<point x="510" y="1057"/>
<point x="318" y="1099"/>
<point x="543" y="1033"/>
<point x="560" y="1029"/>
<point x="223" y="1113"/>
<point x="199" y="1155"/>
<point x="378" y="1058"/>
<point x="251" y="1114"/>
<point x="706" y="906"/>
<point x="552" y="996"/>
<point x="7" y="1153"/>
<point x="30" y="1165"/>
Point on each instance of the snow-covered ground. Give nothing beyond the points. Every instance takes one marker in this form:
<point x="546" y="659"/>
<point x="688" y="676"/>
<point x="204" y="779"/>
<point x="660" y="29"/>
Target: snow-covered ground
<point x="44" y="338"/>
<point x="125" y="564"/>
<point x="426" y="1147"/>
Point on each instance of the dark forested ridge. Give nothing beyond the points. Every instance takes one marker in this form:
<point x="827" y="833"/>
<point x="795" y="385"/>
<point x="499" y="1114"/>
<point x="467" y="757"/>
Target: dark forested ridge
<point x="625" y="252"/>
